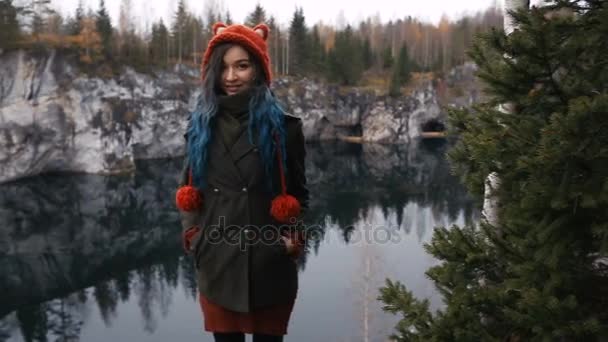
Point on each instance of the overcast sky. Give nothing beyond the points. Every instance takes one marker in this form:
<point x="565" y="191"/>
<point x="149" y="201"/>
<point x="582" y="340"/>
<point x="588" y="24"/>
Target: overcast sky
<point x="327" y="11"/>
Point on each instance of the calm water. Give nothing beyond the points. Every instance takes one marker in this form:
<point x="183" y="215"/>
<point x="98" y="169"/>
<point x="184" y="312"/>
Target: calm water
<point x="93" y="258"/>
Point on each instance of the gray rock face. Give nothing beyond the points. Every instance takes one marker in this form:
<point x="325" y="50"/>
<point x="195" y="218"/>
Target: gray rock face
<point x="328" y="113"/>
<point x="55" y="119"/>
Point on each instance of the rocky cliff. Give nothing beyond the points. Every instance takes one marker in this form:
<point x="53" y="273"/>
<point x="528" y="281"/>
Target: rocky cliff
<point x="55" y="119"/>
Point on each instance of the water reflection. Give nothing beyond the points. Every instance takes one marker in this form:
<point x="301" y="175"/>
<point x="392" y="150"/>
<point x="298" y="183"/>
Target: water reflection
<point x="347" y="180"/>
<point x="81" y="249"/>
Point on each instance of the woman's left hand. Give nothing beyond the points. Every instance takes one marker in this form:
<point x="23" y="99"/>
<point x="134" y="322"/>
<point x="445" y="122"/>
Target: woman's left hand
<point x="293" y="247"/>
<point x="289" y="245"/>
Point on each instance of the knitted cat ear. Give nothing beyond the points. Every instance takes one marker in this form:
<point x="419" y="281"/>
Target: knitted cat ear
<point x="262" y="30"/>
<point x="218" y="28"/>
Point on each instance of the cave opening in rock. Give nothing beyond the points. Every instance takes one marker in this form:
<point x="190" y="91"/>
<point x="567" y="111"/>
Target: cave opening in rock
<point x="433" y="129"/>
<point x="349" y="132"/>
<point x="433" y="126"/>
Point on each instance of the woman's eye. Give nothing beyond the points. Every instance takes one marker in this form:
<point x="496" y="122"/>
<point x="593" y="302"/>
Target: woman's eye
<point x="244" y="66"/>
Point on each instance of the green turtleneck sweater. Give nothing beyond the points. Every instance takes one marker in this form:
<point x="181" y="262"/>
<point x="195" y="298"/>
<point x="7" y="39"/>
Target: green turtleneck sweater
<point x="233" y="116"/>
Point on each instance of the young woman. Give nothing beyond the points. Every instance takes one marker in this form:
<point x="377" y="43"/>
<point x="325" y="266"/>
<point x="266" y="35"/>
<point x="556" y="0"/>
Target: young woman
<point x="243" y="184"/>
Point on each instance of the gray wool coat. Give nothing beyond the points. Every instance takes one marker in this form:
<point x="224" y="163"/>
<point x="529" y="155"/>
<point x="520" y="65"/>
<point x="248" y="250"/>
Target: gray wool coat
<point x="241" y="262"/>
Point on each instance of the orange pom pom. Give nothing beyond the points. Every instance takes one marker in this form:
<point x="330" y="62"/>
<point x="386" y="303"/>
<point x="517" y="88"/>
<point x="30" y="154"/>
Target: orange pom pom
<point x="285" y="207"/>
<point x="188" y="198"/>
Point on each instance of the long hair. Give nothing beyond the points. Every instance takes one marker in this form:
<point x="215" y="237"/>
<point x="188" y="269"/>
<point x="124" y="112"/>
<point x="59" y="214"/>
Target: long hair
<point x="266" y="118"/>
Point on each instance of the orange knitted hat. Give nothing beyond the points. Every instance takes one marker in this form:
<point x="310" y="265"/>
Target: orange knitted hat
<point x="253" y="40"/>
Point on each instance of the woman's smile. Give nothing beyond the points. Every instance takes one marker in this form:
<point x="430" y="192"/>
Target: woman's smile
<point x="237" y="71"/>
<point x="232" y="89"/>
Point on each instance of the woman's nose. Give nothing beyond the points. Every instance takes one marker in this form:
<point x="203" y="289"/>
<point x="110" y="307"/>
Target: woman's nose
<point x="230" y="74"/>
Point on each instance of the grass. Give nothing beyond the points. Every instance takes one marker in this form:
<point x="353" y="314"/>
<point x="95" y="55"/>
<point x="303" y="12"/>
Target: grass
<point x="378" y="82"/>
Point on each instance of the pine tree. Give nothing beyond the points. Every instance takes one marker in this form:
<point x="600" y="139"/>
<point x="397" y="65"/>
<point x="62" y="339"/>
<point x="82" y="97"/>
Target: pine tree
<point x="394" y="87"/>
<point x="76" y="24"/>
<point x="345" y="60"/>
<point x="317" y="52"/>
<point x="211" y="16"/>
<point x="178" y="31"/>
<point x="154" y="48"/>
<point x="299" y="53"/>
<point x="158" y="43"/>
<point x="274" y="44"/>
<point x="228" y="18"/>
<point x="539" y="274"/>
<point x="401" y="72"/>
<point x="104" y="27"/>
<point x="387" y="58"/>
<point x="9" y="26"/>
<point x="128" y="42"/>
<point x="368" y="55"/>
<point x="194" y="31"/>
<point x="258" y="16"/>
<point x="404" y="65"/>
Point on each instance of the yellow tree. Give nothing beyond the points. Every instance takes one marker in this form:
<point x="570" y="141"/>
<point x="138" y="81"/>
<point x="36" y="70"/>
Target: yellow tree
<point x="89" y="40"/>
<point x="377" y="31"/>
<point x="328" y="35"/>
<point x="444" y="32"/>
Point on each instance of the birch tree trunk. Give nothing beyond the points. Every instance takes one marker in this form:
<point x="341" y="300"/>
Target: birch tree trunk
<point x="194" y="37"/>
<point x="490" y="203"/>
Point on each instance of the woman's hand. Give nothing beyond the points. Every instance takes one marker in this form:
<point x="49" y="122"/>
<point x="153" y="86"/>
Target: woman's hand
<point x="293" y="247"/>
<point x="289" y="245"/>
<point x="187" y="236"/>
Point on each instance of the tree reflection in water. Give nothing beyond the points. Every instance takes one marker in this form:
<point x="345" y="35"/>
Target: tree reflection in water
<point x="348" y="180"/>
<point x="77" y="243"/>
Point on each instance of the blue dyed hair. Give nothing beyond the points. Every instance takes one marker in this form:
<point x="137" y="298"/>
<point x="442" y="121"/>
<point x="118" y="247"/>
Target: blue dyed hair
<point x="266" y="118"/>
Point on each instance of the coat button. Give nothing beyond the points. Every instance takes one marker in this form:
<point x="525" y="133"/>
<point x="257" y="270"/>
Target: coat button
<point x="248" y="233"/>
<point x="244" y="189"/>
<point x="216" y="190"/>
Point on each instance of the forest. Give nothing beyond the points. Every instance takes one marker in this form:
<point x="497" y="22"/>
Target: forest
<point x="380" y="54"/>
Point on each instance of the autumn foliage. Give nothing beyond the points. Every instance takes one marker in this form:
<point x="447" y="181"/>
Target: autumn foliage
<point x="373" y="48"/>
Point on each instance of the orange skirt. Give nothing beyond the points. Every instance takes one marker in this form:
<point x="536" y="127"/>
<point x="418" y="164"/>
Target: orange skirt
<point x="268" y="321"/>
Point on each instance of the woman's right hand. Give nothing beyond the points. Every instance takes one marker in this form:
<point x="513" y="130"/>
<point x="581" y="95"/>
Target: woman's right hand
<point x="187" y="236"/>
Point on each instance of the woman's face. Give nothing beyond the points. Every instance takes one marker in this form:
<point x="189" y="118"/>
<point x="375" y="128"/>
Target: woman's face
<point x="237" y="71"/>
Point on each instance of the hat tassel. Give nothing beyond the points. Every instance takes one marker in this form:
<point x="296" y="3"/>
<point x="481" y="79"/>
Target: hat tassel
<point x="284" y="207"/>
<point x="188" y="198"/>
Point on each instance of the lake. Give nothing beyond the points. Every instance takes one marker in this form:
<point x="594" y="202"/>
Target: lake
<point x="98" y="258"/>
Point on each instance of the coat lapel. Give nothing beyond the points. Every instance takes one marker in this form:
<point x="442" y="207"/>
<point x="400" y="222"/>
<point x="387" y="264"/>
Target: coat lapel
<point x="241" y="147"/>
<point x="222" y="160"/>
<point x="226" y="159"/>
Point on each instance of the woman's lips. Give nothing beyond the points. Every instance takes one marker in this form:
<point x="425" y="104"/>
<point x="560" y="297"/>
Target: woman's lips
<point x="232" y="88"/>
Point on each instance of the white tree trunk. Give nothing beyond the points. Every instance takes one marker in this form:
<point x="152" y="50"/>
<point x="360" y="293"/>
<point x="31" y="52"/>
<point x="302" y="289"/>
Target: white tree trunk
<point x="287" y="57"/>
<point x="490" y="202"/>
<point x="512" y="5"/>
<point x="194" y="37"/>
